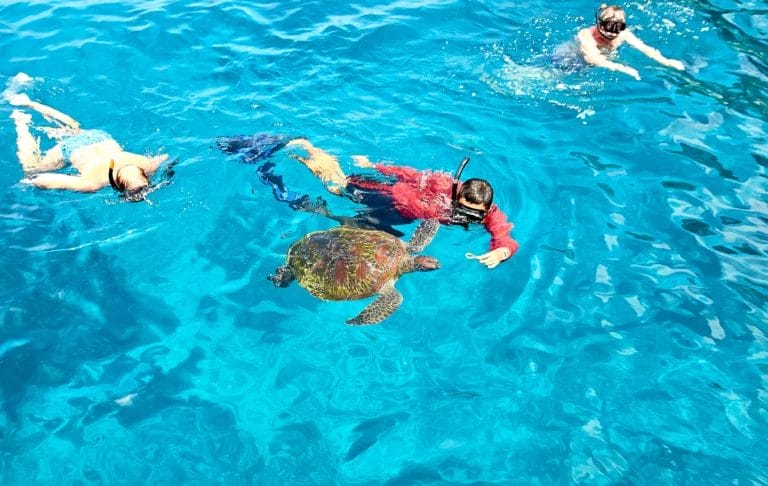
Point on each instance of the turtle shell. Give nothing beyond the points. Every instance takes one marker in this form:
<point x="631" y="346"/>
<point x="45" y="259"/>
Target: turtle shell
<point x="346" y="263"/>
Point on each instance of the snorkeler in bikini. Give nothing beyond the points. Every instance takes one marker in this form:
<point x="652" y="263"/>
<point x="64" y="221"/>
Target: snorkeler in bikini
<point x="608" y="34"/>
<point x="98" y="158"/>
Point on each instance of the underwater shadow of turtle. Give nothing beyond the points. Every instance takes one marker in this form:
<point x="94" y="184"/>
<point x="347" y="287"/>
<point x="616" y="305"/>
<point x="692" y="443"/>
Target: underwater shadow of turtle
<point x="346" y="263"/>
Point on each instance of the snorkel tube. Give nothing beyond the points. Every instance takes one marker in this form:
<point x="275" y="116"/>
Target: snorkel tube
<point x="456" y="177"/>
<point x="111" y="175"/>
<point x="458" y="216"/>
<point x="461" y="214"/>
<point x="599" y="12"/>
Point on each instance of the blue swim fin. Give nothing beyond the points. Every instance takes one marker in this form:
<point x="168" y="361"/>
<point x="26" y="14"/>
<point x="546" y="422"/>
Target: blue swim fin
<point x="253" y="148"/>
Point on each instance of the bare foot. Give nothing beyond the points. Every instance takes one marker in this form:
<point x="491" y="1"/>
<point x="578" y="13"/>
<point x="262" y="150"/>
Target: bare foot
<point x="16" y="84"/>
<point x="20" y="80"/>
<point x="17" y="99"/>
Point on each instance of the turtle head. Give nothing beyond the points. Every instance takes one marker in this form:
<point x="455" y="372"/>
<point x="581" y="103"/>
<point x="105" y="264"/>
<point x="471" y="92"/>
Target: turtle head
<point x="282" y="276"/>
<point x="425" y="263"/>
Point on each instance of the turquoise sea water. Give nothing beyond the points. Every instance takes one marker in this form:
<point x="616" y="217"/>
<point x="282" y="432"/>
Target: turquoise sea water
<point x="625" y="343"/>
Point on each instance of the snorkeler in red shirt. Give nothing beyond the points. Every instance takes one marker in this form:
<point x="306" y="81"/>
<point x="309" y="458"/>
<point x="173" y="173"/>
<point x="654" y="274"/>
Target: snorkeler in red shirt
<point x="415" y="194"/>
<point x="404" y="195"/>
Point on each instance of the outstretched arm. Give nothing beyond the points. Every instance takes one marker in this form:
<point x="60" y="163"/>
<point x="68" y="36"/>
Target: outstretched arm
<point x="402" y="173"/>
<point x="502" y="244"/>
<point x="151" y="164"/>
<point x="649" y="51"/>
<point x="49" y="113"/>
<point x="50" y="180"/>
<point x="592" y="55"/>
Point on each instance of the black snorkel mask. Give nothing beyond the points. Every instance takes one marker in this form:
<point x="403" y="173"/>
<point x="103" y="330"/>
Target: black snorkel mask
<point x="609" y="29"/>
<point x="111" y="175"/>
<point x="462" y="215"/>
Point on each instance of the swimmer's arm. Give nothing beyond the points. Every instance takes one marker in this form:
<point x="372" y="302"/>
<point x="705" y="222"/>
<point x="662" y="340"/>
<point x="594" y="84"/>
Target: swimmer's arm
<point x="502" y="244"/>
<point x="649" y="51"/>
<point x="593" y="56"/>
<point x="45" y="110"/>
<point x="401" y="173"/>
<point x="152" y="163"/>
<point x="49" y="180"/>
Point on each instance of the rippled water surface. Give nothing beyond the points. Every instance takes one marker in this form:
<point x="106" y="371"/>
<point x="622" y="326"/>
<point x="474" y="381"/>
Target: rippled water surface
<point x="625" y="343"/>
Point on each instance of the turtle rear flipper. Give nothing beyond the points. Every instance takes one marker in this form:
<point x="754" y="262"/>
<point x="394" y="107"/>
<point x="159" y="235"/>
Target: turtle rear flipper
<point x="386" y="303"/>
<point x="423" y="235"/>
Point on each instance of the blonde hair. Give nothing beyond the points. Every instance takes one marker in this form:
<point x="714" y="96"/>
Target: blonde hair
<point x="613" y="9"/>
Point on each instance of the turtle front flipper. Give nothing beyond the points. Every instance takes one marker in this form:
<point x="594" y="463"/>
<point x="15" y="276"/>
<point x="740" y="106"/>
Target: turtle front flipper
<point x="386" y="303"/>
<point x="423" y="235"/>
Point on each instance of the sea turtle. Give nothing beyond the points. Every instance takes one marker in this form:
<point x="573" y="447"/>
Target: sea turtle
<point x="347" y="263"/>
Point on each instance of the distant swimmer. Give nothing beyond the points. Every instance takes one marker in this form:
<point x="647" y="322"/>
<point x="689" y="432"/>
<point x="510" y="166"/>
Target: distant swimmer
<point x="99" y="160"/>
<point x="610" y="31"/>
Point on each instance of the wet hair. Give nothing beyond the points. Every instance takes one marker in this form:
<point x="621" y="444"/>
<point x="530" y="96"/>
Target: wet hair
<point x="477" y="191"/>
<point x="119" y="185"/>
<point x="140" y="194"/>
<point x="613" y="9"/>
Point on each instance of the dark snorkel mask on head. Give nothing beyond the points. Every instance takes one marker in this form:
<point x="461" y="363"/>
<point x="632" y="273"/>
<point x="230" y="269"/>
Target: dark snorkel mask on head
<point x="610" y="29"/>
<point x="141" y="194"/>
<point x="462" y="215"/>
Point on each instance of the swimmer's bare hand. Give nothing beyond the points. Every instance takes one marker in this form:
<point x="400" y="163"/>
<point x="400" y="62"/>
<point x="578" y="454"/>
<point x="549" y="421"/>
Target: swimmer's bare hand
<point x="675" y="64"/>
<point x="31" y="180"/>
<point x="492" y="258"/>
<point x="631" y="72"/>
<point x="362" y="161"/>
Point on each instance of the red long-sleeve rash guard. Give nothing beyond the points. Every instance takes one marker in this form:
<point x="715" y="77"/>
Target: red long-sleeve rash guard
<point x="425" y="195"/>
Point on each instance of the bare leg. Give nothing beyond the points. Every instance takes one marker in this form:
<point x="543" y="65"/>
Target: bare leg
<point x="50" y="114"/>
<point x="324" y="165"/>
<point x="28" y="147"/>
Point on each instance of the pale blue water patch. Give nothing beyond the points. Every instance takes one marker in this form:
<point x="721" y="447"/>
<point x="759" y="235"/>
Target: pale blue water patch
<point x="624" y="343"/>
